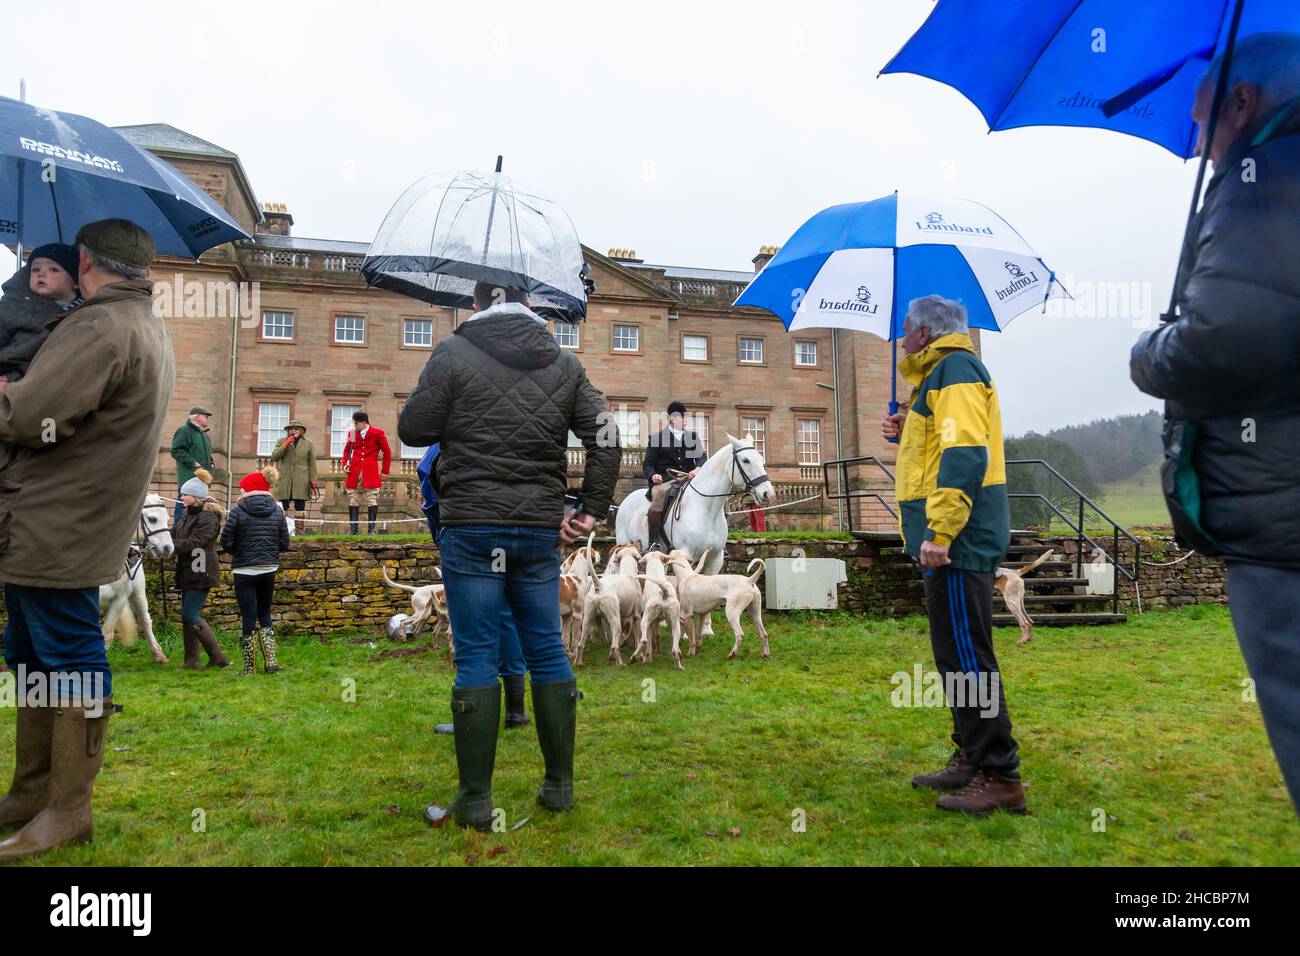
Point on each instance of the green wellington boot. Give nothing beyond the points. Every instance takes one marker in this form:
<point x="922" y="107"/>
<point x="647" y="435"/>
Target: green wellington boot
<point x="555" y="711"/>
<point x="516" y="713"/>
<point x="76" y="753"/>
<point x="476" y="717"/>
<point x="27" y="794"/>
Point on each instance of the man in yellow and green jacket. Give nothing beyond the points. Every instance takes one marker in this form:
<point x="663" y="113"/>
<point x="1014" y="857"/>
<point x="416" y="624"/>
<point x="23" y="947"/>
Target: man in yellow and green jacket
<point x="955" y="520"/>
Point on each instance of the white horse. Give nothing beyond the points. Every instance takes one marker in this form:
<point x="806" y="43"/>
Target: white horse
<point x="696" y="522"/>
<point x="123" y="603"/>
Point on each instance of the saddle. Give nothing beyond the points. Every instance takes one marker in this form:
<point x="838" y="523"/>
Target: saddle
<point x="655" y="516"/>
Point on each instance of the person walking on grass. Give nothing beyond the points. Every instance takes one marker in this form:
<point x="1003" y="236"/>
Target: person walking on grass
<point x="197" y="570"/>
<point x="502" y="397"/>
<point x="956" y="520"/>
<point x="255" y="535"/>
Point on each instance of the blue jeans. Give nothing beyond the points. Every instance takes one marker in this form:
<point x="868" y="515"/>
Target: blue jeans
<point x="1267" y="621"/>
<point x="56" y="631"/>
<point x="489" y="570"/>
<point x="192" y="601"/>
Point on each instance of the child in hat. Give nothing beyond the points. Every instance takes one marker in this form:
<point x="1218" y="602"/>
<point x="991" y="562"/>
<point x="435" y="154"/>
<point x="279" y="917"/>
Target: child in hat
<point x="255" y="534"/>
<point x="42" y="290"/>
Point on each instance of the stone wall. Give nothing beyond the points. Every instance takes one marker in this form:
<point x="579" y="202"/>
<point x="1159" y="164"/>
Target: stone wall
<point x="326" y="586"/>
<point x="1196" y="580"/>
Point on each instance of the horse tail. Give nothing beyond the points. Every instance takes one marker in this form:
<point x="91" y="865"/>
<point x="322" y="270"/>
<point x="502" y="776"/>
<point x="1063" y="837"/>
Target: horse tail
<point x="759" y="573"/>
<point x="126" y="630"/>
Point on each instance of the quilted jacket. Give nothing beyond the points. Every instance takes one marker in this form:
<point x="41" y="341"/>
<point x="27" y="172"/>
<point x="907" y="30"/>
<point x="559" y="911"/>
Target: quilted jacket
<point x="1230" y="362"/>
<point x="501" y="397"/>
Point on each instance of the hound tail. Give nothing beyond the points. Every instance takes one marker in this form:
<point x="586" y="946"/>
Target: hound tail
<point x="393" y="584"/>
<point x="1037" y="561"/>
<point x="757" y="574"/>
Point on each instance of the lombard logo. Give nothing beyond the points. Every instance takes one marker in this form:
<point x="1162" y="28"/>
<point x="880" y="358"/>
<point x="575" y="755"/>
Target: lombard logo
<point x="934" y="222"/>
<point x="1020" y="281"/>
<point x="861" y="302"/>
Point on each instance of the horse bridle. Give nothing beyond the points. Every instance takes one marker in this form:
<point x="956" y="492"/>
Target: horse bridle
<point x="750" y="481"/>
<point x="135" y="552"/>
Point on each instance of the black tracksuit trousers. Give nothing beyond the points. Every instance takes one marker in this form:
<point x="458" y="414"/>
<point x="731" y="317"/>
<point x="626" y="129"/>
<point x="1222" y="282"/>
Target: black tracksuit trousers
<point x="960" y="607"/>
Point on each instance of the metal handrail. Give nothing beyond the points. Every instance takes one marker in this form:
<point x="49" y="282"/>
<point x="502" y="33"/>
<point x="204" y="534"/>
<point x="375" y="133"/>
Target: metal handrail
<point x="1081" y="536"/>
<point x="841" y="466"/>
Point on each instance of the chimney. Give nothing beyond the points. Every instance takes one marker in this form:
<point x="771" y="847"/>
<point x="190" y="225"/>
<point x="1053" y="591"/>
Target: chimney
<point x="276" y="220"/>
<point x="765" y="254"/>
<point x="619" y="254"/>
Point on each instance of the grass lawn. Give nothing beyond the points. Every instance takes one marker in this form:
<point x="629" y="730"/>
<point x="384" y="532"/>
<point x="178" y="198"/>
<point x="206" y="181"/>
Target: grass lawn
<point x="1137" y="501"/>
<point x="1144" y="723"/>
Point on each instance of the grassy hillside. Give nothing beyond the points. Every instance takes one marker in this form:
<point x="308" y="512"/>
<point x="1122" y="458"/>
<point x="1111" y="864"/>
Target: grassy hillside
<point x="1137" y="501"/>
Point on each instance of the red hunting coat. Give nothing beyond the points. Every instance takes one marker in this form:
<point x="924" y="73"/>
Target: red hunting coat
<point x="361" y="458"/>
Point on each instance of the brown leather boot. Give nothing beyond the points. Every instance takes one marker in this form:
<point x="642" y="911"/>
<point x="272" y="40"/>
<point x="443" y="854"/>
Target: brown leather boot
<point x="956" y="774"/>
<point x="76" y="754"/>
<point x="26" y="796"/>
<point x="987" y="791"/>
<point x="655" y="523"/>
<point x="190" y="638"/>
<point x="216" y="656"/>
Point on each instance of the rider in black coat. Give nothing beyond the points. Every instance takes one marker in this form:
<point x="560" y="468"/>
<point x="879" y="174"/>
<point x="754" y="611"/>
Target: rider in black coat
<point x="682" y="452"/>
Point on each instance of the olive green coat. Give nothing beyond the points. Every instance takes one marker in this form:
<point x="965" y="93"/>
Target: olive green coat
<point x="297" y="464"/>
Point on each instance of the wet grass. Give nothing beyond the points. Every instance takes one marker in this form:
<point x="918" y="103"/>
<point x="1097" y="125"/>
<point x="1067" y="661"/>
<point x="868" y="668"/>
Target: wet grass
<point x="1142" y="725"/>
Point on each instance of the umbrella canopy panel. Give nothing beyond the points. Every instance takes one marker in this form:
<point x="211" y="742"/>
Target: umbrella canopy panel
<point x="449" y="231"/>
<point x="856" y="266"/>
<point x="59" y="171"/>
<point x="1055" y="62"/>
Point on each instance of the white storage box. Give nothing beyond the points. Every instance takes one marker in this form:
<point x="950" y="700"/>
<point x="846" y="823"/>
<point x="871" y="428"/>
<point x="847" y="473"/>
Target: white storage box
<point x="803" y="583"/>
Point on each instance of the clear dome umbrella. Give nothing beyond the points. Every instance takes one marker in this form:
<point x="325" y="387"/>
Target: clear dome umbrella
<point x="448" y="231"/>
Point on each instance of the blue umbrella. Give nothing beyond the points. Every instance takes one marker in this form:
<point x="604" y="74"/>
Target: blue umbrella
<point x="856" y="266"/>
<point x="59" y="171"/>
<point x="1112" y="64"/>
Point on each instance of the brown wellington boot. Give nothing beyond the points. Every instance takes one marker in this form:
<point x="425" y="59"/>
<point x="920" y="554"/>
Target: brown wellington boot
<point x="26" y="796"/>
<point x="957" y="774"/>
<point x="190" y="638"/>
<point x="216" y="656"/>
<point x="76" y="754"/>
<point x="987" y="791"/>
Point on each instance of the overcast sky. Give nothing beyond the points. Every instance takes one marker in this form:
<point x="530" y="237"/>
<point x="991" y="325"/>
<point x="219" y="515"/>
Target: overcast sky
<point x="691" y="132"/>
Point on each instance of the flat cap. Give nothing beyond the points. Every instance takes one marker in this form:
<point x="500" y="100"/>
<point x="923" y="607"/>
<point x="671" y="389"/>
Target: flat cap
<point x="118" y="239"/>
<point x="200" y="410"/>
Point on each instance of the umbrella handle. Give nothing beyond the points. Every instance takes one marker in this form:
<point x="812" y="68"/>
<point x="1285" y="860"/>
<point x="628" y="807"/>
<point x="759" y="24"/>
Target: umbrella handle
<point x="893" y="409"/>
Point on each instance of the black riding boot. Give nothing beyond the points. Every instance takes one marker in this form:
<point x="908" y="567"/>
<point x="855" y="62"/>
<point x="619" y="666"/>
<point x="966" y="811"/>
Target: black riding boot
<point x="555" y="705"/>
<point x="371" y="514"/>
<point x="354" y="515"/>
<point x="516" y="713"/>
<point x="476" y="716"/>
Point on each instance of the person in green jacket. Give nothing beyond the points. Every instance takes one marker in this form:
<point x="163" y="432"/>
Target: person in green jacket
<point x="295" y="456"/>
<point x="192" y="449"/>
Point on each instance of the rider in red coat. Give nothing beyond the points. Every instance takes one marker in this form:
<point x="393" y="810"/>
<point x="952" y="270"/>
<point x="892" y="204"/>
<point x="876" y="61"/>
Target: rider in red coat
<point x="361" y="460"/>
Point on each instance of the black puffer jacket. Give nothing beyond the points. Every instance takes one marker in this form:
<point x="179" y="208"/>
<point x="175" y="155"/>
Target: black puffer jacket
<point x="501" y="397"/>
<point x="196" y="547"/>
<point x="255" y="531"/>
<point x="1230" y="363"/>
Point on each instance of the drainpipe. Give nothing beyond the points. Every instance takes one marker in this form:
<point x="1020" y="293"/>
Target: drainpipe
<point x="839" y="443"/>
<point x="230" y="402"/>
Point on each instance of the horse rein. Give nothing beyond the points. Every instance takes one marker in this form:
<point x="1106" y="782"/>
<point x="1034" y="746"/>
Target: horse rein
<point x="135" y="552"/>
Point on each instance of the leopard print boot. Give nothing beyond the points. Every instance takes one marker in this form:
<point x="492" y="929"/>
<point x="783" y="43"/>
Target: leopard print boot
<point x="268" y="650"/>
<point x="246" y="649"/>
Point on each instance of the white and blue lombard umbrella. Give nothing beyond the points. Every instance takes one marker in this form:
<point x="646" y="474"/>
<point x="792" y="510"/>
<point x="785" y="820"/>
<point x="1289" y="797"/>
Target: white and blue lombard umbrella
<point x="858" y="265"/>
<point x="59" y="171"/>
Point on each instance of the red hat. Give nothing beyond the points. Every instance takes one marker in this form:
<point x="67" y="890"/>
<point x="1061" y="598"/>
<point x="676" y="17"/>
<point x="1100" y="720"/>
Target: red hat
<point x="254" y="481"/>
